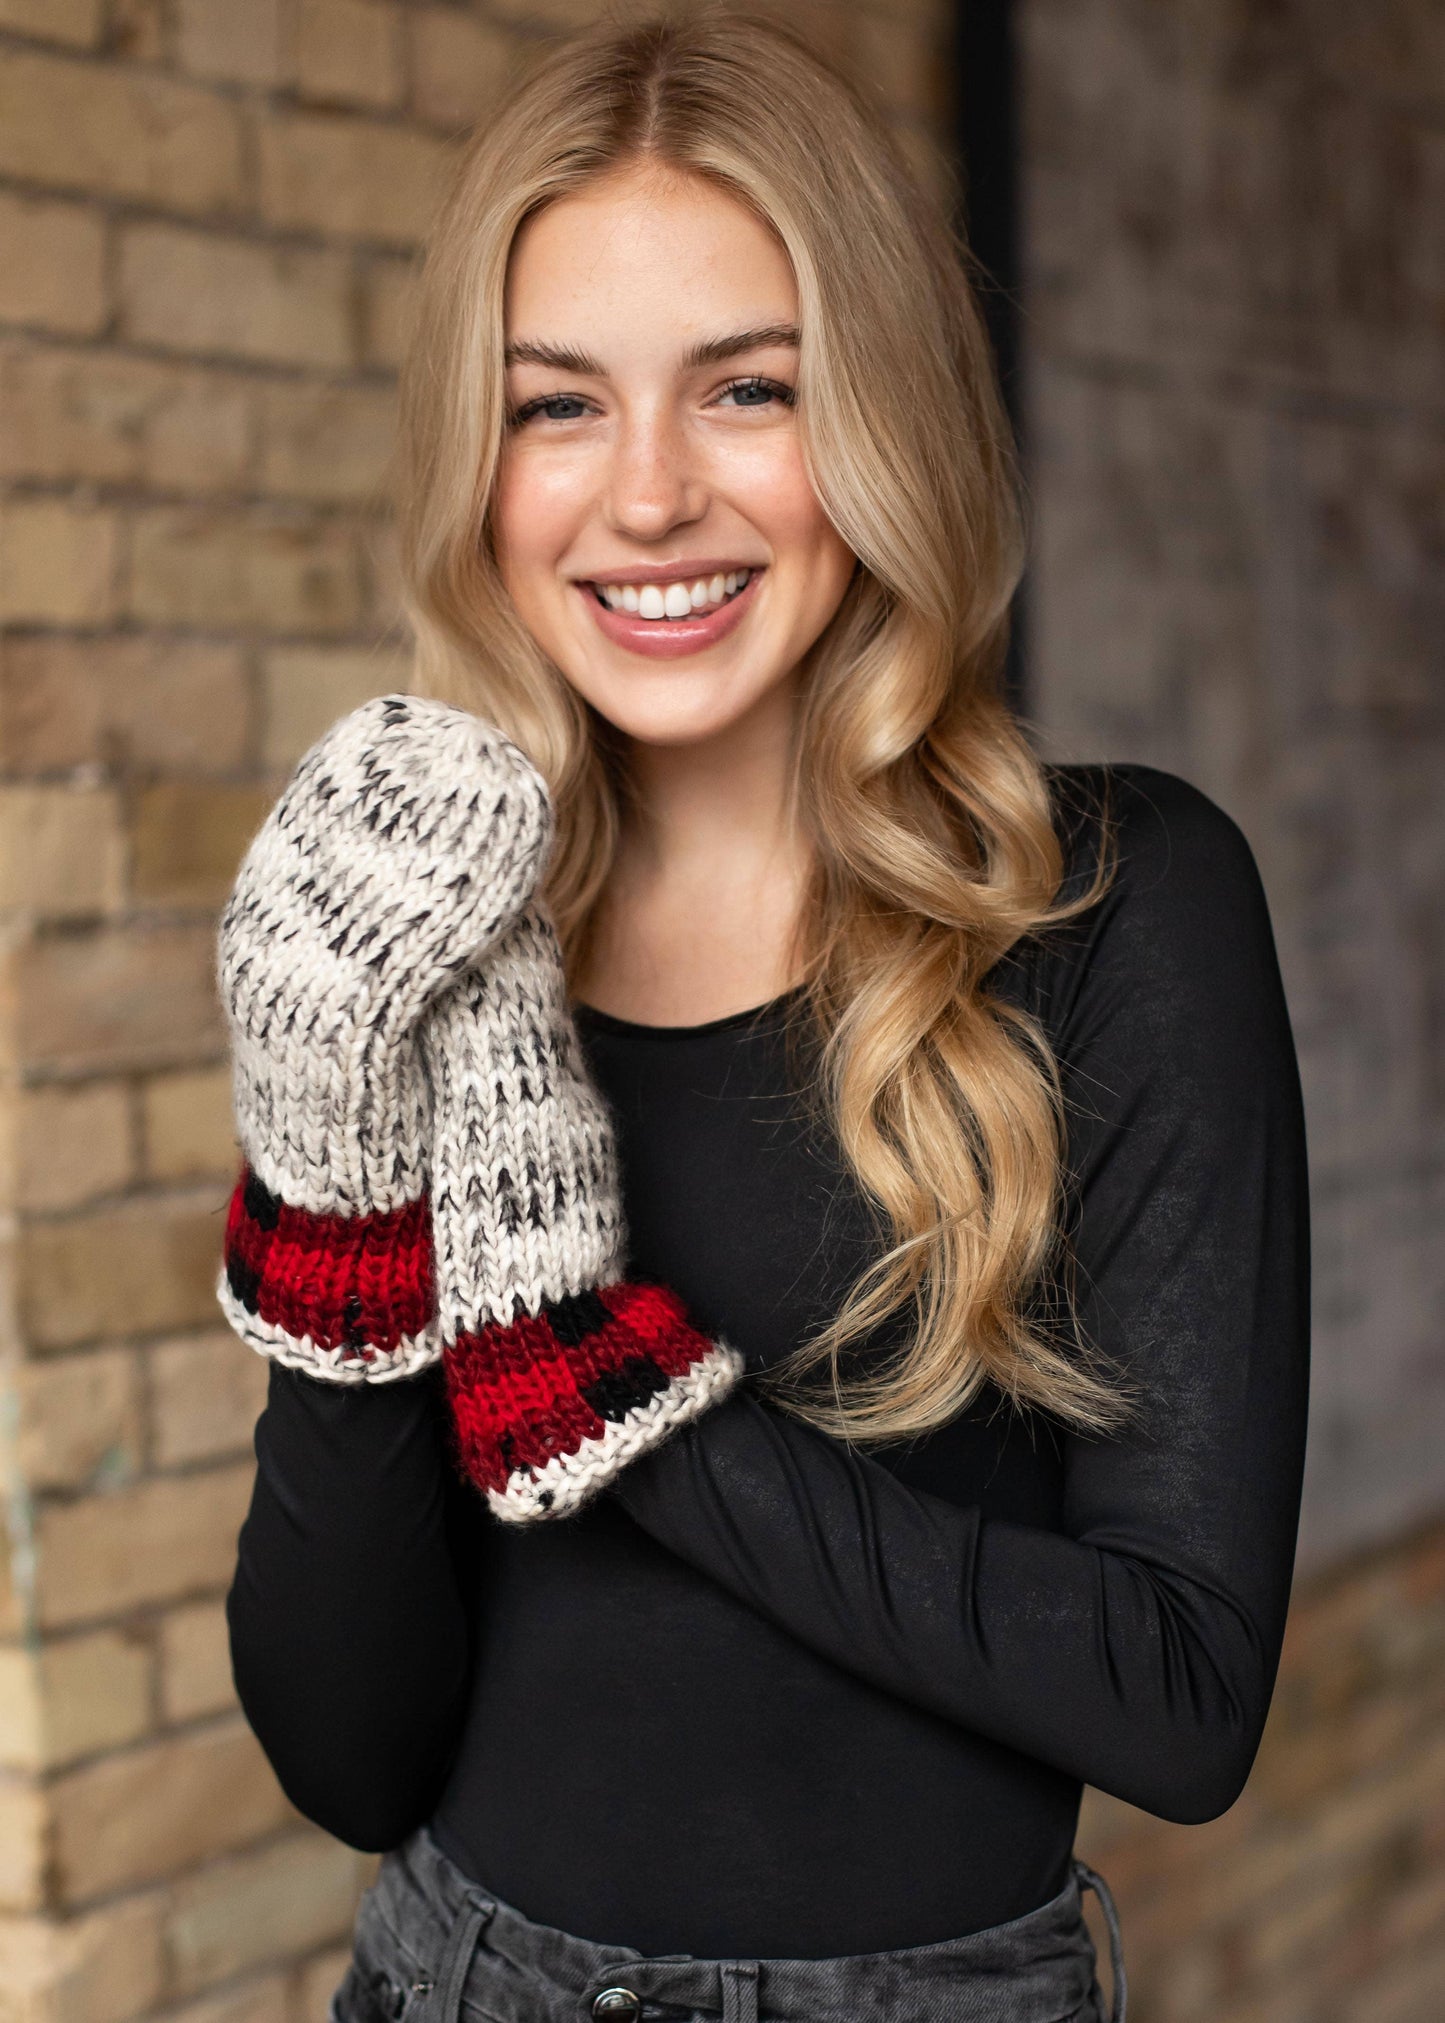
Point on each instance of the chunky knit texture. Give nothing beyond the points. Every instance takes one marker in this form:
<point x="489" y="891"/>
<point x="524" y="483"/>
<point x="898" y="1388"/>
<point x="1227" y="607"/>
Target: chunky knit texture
<point x="408" y="838"/>
<point x="558" y="1370"/>
<point x="428" y="1172"/>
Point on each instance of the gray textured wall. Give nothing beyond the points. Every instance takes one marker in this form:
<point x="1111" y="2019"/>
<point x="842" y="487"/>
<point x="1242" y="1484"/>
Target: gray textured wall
<point x="1236" y="397"/>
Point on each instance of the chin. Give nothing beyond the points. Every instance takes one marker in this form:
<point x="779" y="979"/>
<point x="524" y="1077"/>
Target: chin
<point x="682" y="724"/>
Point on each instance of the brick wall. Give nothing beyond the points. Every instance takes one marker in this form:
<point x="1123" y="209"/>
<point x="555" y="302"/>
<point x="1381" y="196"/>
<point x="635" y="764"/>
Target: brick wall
<point x="208" y="216"/>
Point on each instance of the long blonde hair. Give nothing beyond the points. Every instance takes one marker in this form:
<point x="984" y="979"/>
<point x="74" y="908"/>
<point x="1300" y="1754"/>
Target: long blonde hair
<point x="934" y="846"/>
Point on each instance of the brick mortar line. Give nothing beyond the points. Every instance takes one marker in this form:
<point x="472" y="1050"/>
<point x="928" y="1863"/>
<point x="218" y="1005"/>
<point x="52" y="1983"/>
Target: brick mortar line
<point x="360" y="511"/>
<point x="39" y="337"/>
<point x="246" y="227"/>
<point x="246" y="95"/>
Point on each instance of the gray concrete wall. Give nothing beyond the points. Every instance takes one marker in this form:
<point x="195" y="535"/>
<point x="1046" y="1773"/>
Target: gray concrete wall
<point x="1236" y="400"/>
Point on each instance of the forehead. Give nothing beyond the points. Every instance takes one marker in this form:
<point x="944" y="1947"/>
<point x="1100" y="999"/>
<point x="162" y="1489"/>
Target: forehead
<point x="645" y="263"/>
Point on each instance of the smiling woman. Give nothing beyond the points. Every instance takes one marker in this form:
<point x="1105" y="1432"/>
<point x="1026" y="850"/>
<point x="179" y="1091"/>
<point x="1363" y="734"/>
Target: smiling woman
<point x="666" y="462"/>
<point x="695" y="1044"/>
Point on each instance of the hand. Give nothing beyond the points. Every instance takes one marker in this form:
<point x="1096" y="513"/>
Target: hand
<point x="559" y="1370"/>
<point x="406" y="842"/>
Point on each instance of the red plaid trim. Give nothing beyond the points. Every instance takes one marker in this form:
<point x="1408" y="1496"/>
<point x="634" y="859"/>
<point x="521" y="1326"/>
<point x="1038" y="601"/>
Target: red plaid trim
<point x="538" y="1387"/>
<point x="361" y="1282"/>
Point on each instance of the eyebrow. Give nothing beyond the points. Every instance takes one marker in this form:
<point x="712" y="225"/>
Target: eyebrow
<point x="709" y="351"/>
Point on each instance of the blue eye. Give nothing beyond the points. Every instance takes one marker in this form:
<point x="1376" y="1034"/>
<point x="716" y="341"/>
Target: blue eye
<point x="770" y="390"/>
<point x="522" y="414"/>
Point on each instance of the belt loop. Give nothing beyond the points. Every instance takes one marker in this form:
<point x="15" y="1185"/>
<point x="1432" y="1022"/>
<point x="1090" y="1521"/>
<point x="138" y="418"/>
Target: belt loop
<point x="1091" y="1879"/>
<point x="443" y="2000"/>
<point x="740" y="1991"/>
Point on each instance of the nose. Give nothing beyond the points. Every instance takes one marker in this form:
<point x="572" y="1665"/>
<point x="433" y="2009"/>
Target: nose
<point x="654" y="479"/>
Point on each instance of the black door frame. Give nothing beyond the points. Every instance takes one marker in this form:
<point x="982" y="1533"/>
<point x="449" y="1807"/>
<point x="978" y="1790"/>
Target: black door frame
<point x="986" y="142"/>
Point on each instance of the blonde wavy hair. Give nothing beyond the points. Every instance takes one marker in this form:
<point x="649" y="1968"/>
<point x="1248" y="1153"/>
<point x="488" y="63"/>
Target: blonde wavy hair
<point x="930" y="819"/>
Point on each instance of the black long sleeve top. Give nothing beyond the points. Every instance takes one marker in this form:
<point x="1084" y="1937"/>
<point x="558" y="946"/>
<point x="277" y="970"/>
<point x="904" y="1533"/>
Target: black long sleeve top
<point x="775" y="1695"/>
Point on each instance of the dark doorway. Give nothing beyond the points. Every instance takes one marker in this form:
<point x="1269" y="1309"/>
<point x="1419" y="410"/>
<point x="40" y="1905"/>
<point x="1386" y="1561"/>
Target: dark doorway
<point x="986" y="138"/>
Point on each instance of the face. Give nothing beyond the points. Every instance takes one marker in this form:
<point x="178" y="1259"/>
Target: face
<point x="654" y="523"/>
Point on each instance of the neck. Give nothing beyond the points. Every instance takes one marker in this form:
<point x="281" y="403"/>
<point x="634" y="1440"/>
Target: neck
<point x="715" y="810"/>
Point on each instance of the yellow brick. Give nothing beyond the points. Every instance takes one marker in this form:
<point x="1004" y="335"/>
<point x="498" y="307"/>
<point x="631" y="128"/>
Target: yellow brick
<point x="328" y="442"/>
<point x="159" y="1541"/>
<point x="91" y="415"/>
<point x="187" y="840"/>
<point x="240" y="45"/>
<point x="17" y="1610"/>
<point x="116" y="998"/>
<point x="206" y="1394"/>
<point x="384" y="615"/>
<point x="22" y="1724"/>
<point x="388" y="305"/>
<point x="459" y="65"/>
<point x="57" y="562"/>
<point x="74" y="21"/>
<point x="188" y="1126"/>
<point x="80" y="1420"/>
<point x="320" y="1979"/>
<point x="307" y="688"/>
<point x="135" y="1270"/>
<point x="86" y="1694"/>
<point x="340" y="173"/>
<point x="140" y="30"/>
<point x="173" y="705"/>
<point x="103" y="1968"/>
<point x="22" y="1846"/>
<point x="123" y="132"/>
<point x="348" y="52"/>
<point x="74" y="1144"/>
<point x="152" y="1811"/>
<point x="53" y="272"/>
<point x="97" y="1692"/>
<point x="265" y="2000"/>
<point x="60" y="850"/>
<point x="195" y="1662"/>
<point x="299" y="1893"/>
<point x="266" y="569"/>
<point x="193" y="291"/>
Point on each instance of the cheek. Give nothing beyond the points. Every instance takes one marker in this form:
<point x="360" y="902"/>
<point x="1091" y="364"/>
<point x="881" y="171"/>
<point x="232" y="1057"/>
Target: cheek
<point x="767" y="481"/>
<point x="535" y="511"/>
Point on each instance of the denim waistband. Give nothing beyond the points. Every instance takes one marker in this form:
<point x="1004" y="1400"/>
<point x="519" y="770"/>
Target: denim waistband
<point x="462" y="1950"/>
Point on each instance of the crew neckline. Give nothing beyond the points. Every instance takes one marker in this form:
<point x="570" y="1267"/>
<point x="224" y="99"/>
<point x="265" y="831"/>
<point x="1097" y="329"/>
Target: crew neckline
<point x="609" y="1022"/>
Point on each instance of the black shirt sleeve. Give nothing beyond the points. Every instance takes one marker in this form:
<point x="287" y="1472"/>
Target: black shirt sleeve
<point x="349" y="1639"/>
<point x="1136" y="1647"/>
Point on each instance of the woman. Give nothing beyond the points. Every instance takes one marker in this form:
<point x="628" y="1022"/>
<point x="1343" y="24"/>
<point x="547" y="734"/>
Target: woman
<point x="925" y="1413"/>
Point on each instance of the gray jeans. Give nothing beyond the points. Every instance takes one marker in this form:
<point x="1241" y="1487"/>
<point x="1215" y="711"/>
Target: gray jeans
<point x="430" y="1945"/>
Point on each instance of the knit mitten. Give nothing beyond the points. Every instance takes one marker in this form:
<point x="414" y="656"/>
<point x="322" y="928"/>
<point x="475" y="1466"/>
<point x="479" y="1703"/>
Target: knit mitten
<point x="406" y="842"/>
<point x="559" y="1369"/>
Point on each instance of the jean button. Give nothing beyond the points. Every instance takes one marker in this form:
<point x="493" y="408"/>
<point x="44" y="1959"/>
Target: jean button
<point x="617" y="2005"/>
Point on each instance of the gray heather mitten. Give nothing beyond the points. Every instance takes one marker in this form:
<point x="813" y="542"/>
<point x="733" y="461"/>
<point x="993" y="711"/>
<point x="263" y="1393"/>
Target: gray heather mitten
<point x="408" y="839"/>
<point x="559" y="1369"/>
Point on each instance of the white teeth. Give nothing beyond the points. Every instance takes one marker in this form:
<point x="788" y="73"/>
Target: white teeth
<point x="673" y="600"/>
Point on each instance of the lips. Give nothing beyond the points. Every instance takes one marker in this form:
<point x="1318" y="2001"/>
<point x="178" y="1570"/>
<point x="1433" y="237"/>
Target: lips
<point x="668" y="638"/>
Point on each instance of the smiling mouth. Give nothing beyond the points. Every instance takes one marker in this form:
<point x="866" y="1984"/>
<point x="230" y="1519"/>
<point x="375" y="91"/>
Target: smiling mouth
<point x="664" y="602"/>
